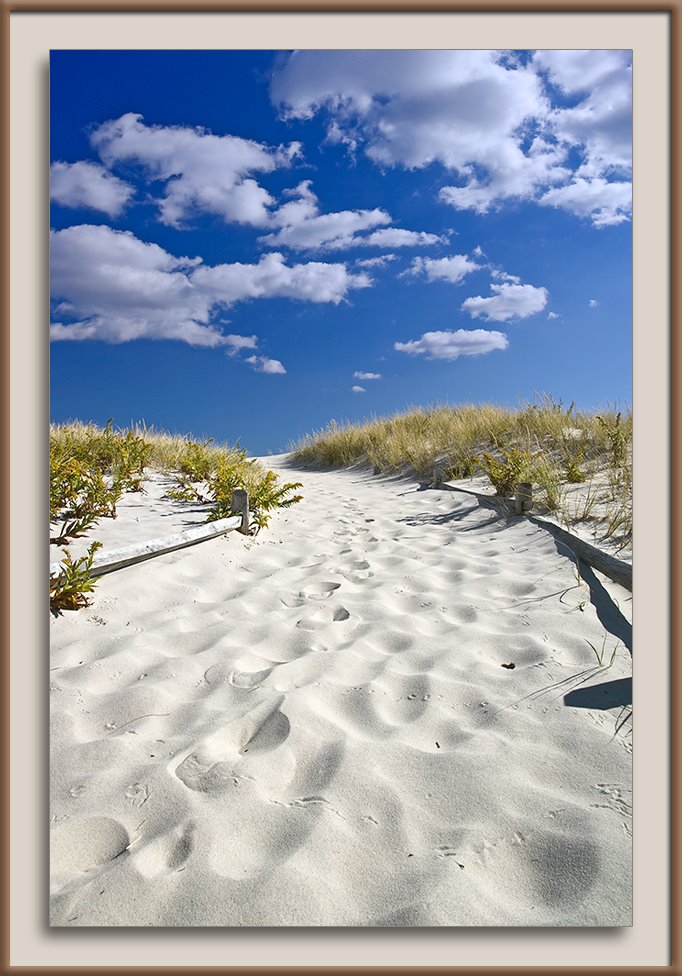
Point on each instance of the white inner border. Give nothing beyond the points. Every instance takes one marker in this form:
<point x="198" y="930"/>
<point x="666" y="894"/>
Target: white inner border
<point x="32" y="36"/>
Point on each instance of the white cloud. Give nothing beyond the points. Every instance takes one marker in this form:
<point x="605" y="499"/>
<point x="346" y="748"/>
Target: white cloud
<point x="409" y="107"/>
<point x="511" y="173"/>
<point x="262" y="364"/>
<point x="238" y="342"/>
<point x="552" y="315"/>
<point x="88" y="185"/>
<point x="603" y="202"/>
<point x="380" y="261"/>
<point x="453" y="344"/>
<point x="593" y="303"/>
<point x="358" y="389"/>
<point x="500" y="275"/>
<point x="493" y="120"/>
<point x="463" y="109"/>
<point x="601" y="122"/>
<point x="273" y="278"/>
<point x="121" y="288"/>
<point x="301" y="226"/>
<point x="453" y="269"/>
<point x="508" y="301"/>
<point x="580" y="70"/>
<point x="359" y="375"/>
<point x="336" y="136"/>
<point x="201" y="171"/>
<point x="397" y="237"/>
<point x="118" y="288"/>
<point x="600" y="125"/>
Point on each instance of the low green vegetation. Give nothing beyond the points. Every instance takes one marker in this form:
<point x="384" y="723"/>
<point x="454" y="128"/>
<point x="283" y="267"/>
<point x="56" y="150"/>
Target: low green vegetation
<point x="69" y="588"/>
<point x="209" y="476"/>
<point x="92" y="467"/>
<point x="579" y="462"/>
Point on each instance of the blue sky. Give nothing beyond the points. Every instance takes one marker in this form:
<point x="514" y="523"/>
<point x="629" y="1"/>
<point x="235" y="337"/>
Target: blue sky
<point x="245" y="245"/>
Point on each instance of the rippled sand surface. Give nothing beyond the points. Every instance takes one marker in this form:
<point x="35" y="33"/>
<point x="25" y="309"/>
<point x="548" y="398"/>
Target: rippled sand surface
<point x="382" y="711"/>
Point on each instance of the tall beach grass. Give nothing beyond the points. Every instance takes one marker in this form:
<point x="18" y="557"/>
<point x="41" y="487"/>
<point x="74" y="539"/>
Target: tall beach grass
<point x="555" y="447"/>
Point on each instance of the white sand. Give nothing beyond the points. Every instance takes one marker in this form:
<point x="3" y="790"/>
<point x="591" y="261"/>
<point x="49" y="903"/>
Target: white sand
<point x="315" y="727"/>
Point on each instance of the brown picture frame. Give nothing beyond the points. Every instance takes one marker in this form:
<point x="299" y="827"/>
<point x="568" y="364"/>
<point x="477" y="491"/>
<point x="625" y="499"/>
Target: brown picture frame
<point x="672" y="9"/>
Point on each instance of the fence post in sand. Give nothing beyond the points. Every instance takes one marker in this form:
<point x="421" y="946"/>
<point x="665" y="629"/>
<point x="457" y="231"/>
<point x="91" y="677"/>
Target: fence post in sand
<point x="524" y="497"/>
<point x="239" y="503"/>
<point x="437" y="479"/>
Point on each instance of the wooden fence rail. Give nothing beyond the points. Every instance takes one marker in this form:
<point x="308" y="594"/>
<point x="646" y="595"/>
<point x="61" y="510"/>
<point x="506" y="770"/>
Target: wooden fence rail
<point x="616" y="569"/>
<point x="108" y="562"/>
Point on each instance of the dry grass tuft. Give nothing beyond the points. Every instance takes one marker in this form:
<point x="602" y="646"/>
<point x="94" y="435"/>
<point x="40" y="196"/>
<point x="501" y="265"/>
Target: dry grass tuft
<point x="563" y="451"/>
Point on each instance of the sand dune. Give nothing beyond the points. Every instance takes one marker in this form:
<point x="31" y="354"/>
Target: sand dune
<point x="382" y="711"/>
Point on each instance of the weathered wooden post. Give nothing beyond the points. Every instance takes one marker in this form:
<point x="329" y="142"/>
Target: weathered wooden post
<point x="524" y="497"/>
<point x="437" y="479"/>
<point x="239" y="503"/>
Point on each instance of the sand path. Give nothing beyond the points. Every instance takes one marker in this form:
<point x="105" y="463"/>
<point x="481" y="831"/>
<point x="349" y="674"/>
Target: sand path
<point x="321" y="726"/>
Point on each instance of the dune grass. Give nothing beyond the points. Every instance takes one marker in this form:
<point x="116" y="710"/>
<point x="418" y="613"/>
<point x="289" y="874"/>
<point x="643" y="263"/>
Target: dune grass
<point x="554" y="447"/>
<point x="92" y="467"/>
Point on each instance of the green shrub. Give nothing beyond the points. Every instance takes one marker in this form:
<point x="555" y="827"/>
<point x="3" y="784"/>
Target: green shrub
<point x="574" y="474"/>
<point x="197" y="460"/>
<point x="506" y="469"/>
<point x="129" y="458"/>
<point x="463" y="467"/>
<point x="79" y="497"/>
<point x="265" y="494"/>
<point x="69" y="588"/>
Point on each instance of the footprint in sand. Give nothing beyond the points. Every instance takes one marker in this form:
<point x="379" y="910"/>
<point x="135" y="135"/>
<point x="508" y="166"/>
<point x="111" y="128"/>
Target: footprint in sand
<point x="354" y="570"/>
<point x="248" y="673"/>
<point x="320" y="591"/>
<point x="316" y="591"/>
<point x="248" y="679"/>
<point x="167" y="853"/>
<point x="292" y="600"/>
<point x="323" y="618"/>
<point x="209" y="767"/>
<point x="83" y="844"/>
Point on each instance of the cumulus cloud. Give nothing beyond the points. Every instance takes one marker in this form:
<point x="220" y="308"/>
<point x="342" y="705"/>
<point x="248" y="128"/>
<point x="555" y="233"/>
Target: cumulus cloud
<point x="453" y="344"/>
<point x="453" y="269"/>
<point x="301" y="226"/>
<point x="603" y="202"/>
<point x="506" y="126"/>
<point x="202" y="172"/>
<point x="397" y="237"/>
<point x="511" y="173"/>
<point x="359" y="375"/>
<point x="380" y="261"/>
<point x="121" y="288"/>
<point x="236" y="343"/>
<point x="500" y="275"/>
<point x="262" y="364"/>
<point x="600" y="122"/>
<point x="116" y="288"/>
<point x="593" y="303"/>
<point x="508" y="301"/>
<point x="88" y="185"/>
<point x="314" y="281"/>
<point x="358" y="389"/>
<point x="552" y="315"/>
